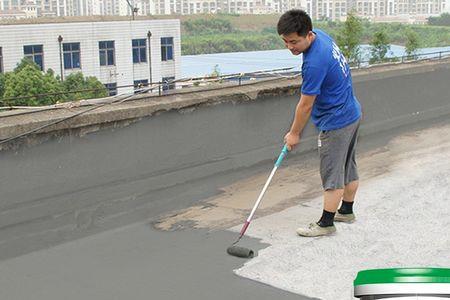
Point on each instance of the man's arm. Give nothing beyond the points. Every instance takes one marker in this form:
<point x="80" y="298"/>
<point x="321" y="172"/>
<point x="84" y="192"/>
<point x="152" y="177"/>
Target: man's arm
<point x="302" y="115"/>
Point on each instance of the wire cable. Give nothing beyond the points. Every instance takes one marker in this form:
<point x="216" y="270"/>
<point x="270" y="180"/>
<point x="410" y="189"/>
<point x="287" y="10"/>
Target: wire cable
<point x="4" y="141"/>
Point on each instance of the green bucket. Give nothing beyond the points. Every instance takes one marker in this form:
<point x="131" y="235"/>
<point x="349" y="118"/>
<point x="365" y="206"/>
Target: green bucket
<point x="403" y="284"/>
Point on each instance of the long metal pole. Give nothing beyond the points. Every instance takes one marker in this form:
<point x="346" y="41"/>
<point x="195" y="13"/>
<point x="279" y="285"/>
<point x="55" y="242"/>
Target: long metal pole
<point x="149" y="35"/>
<point x="60" y="39"/>
<point x="282" y="155"/>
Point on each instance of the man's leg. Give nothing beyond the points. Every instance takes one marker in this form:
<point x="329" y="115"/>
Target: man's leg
<point x="337" y="170"/>
<point x="350" y="191"/>
<point x="325" y="226"/>
<point x="345" y="212"/>
<point x="331" y="199"/>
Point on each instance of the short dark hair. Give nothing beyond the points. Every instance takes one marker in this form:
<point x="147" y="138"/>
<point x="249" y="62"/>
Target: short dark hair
<point x="294" y="20"/>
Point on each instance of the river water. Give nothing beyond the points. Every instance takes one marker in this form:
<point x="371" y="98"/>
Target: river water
<point x="241" y="62"/>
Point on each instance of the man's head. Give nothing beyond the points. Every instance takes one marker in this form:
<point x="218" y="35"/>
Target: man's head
<point x="295" y="28"/>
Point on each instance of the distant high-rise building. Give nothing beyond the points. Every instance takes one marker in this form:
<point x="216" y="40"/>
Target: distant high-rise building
<point x="372" y="9"/>
<point x="318" y="9"/>
<point x="122" y="7"/>
<point x="326" y="9"/>
<point x="188" y="7"/>
<point x="446" y="6"/>
<point x="429" y="7"/>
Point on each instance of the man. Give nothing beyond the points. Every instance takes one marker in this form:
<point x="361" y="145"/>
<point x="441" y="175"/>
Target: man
<point x="327" y="97"/>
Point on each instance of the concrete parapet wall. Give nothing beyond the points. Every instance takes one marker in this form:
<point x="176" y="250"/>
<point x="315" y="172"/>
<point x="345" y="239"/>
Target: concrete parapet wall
<point x="127" y="162"/>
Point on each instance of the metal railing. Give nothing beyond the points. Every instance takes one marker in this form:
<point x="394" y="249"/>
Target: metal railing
<point x="404" y="58"/>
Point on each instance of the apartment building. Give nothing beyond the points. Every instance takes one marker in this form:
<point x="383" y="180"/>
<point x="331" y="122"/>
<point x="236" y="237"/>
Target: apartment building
<point x="318" y="9"/>
<point x="326" y="9"/>
<point x="118" y="53"/>
<point x="57" y="8"/>
<point x="372" y="9"/>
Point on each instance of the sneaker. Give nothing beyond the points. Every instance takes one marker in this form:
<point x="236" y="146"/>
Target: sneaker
<point x="346" y="218"/>
<point x="315" y="230"/>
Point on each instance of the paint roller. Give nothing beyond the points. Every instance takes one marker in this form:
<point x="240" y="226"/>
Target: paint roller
<point x="242" y="251"/>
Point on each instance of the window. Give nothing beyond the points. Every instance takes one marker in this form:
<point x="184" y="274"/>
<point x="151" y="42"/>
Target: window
<point x="167" y="84"/>
<point x="35" y="53"/>
<point x="166" y="48"/>
<point x="139" y="84"/>
<point x="112" y="88"/>
<point x="1" y="60"/>
<point x="71" y="52"/>
<point x="106" y="51"/>
<point x="139" y="51"/>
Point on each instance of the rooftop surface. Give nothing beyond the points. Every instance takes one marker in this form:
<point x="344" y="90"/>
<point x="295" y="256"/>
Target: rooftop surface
<point x="402" y="208"/>
<point x="189" y="194"/>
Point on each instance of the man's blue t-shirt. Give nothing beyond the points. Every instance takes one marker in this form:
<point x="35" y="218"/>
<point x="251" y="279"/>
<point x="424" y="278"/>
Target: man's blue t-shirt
<point x="326" y="74"/>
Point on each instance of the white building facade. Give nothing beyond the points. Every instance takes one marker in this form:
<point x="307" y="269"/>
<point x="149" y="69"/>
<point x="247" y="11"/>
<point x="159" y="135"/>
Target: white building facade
<point x="446" y="6"/>
<point x="64" y="8"/>
<point x="117" y="52"/>
<point x="318" y="9"/>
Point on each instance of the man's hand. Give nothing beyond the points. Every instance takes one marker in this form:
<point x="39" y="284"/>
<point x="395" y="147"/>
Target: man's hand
<point x="291" y="139"/>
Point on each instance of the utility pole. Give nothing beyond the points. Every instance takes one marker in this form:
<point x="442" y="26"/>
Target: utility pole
<point x="149" y="35"/>
<point x="133" y="9"/>
<point x="60" y="39"/>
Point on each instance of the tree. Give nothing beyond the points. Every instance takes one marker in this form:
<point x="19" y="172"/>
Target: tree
<point x="208" y="26"/>
<point x="87" y="88"/>
<point x="28" y="80"/>
<point x="379" y="46"/>
<point x="442" y="20"/>
<point x="216" y="71"/>
<point x="99" y="90"/>
<point x="349" y="38"/>
<point x="412" y="44"/>
<point x="2" y="84"/>
<point x="24" y="63"/>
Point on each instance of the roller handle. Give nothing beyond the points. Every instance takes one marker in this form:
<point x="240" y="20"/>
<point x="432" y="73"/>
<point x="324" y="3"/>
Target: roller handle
<point x="244" y="228"/>
<point x="282" y="155"/>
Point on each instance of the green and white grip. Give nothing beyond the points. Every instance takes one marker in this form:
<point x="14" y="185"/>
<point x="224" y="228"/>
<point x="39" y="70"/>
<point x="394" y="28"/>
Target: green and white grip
<point x="283" y="154"/>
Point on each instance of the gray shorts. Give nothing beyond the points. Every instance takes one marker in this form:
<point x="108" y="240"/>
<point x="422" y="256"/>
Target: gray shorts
<point x="337" y="151"/>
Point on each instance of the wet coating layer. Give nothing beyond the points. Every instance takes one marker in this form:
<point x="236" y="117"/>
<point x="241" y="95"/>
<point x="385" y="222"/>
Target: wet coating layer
<point x="135" y="262"/>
